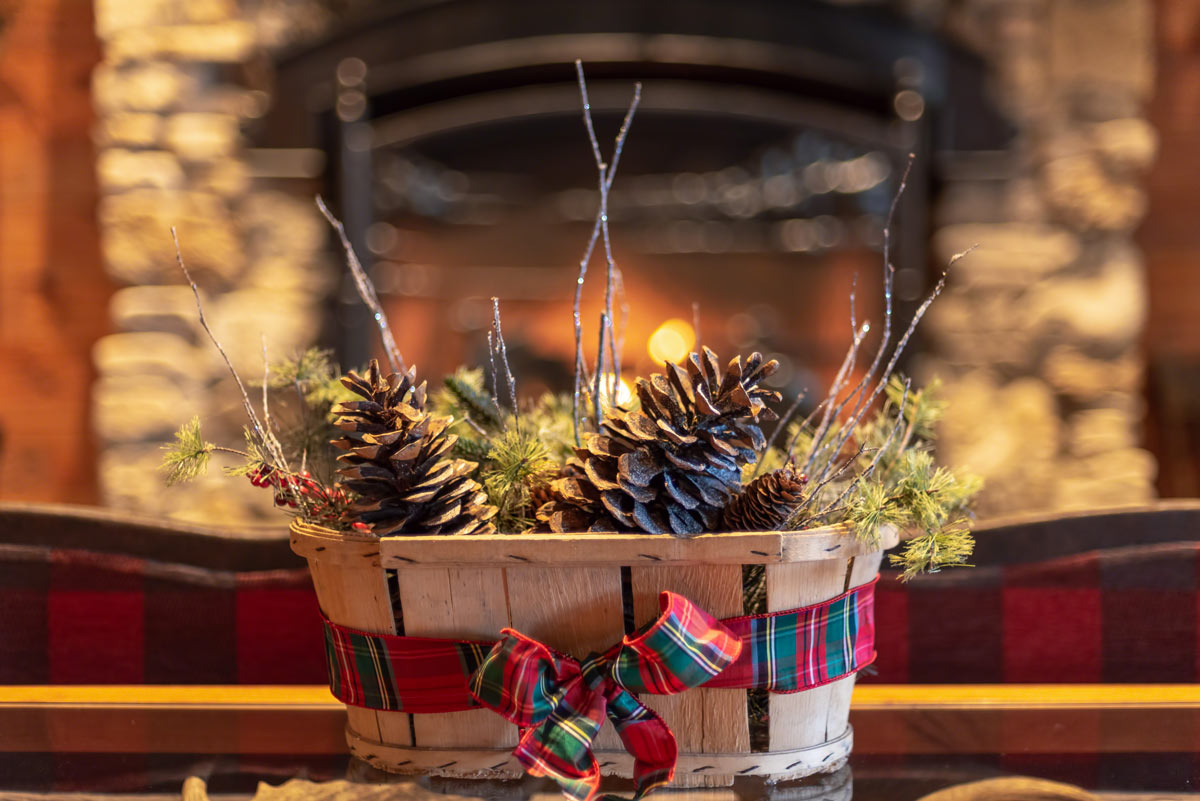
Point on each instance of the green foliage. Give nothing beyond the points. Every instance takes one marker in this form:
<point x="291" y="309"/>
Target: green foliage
<point x="253" y="457"/>
<point x="313" y="366"/>
<point x="513" y="455"/>
<point x="301" y="393"/>
<point x="516" y="461"/>
<point x="946" y="547"/>
<point x="476" y="419"/>
<point x="870" y="508"/>
<point x="924" y="407"/>
<point x="187" y="457"/>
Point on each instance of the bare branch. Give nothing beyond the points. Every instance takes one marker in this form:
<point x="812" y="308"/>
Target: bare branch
<point x="587" y="115"/>
<point x="366" y="290"/>
<point x="803" y="425"/>
<point x="902" y="344"/>
<point x="261" y="431"/>
<point x="265" y="382"/>
<point x="846" y="465"/>
<point x="254" y="421"/>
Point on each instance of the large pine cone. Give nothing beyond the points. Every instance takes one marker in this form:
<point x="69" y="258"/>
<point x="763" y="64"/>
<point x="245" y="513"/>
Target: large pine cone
<point x="766" y="502"/>
<point x="394" y="465"/>
<point x="673" y="464"/>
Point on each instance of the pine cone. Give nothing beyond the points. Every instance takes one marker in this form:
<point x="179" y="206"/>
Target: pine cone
<point x="766" y="502"/>
<point x="394" y="461"/>
<point x="672" y="465"/>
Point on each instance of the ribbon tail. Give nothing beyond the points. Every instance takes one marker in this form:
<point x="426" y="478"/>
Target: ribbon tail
<point x="647" y="738"/>
<point x="561" y="745"/>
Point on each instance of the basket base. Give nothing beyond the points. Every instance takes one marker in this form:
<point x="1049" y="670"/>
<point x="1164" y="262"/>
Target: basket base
<point x="496" y="763"/>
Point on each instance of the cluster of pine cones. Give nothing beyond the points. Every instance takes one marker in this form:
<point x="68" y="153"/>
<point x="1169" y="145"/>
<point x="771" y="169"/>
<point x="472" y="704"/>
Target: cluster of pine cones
<point x="672" y="466"/>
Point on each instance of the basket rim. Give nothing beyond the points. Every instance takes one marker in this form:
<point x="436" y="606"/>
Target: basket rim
<point x="321" y="544"/>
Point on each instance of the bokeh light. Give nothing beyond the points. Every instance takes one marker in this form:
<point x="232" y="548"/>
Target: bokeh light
<point x="672" y="341"/>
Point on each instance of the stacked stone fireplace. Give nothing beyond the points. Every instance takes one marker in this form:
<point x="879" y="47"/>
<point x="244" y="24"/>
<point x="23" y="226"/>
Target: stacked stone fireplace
<point x="1036" y="341"/>
<point x="1039" y="337"/>
<point x="180" y="86"/>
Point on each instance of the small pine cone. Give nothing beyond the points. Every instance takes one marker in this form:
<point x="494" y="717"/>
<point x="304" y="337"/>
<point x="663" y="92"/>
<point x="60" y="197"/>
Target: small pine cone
<point x="397" y="465"/>
<point x="671" y="465"/>
<point x="540" y="494"/>
<point x="766" y="502"/>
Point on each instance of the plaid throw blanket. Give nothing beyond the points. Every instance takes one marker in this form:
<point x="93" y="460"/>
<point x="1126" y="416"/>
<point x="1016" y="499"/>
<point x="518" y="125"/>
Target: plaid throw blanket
<point x="561" y="704"/>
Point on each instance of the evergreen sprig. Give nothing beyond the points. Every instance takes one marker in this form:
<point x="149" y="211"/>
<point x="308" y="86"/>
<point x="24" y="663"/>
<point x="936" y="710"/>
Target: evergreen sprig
<point x="187" y="457"/>
<point x="947" y="547"/>
<point x="516" y="462"/>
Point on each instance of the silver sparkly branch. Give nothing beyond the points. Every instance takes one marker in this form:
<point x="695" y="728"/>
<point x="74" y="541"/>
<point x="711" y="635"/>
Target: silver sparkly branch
<point x="600" y="226"/>
<point x="900" y="346"/>
<point x="814" y="493"/>
<point x="804" y="424"/>
<point x="889" y="278"/>
<point x="604" y="324"/>
<point x="366" y="290"/>
<point x="503" y="350"/>
<point x="867" y="473"/>
<point x="495" y="381"/>
<point x="840" y="379"/>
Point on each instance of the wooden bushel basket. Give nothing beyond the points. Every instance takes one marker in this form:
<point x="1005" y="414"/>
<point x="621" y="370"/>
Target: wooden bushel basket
<point x="566" y="591"/>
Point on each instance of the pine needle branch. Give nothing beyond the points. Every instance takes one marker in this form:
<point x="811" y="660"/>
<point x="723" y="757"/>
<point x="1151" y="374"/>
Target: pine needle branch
<point x="186" y="458"/>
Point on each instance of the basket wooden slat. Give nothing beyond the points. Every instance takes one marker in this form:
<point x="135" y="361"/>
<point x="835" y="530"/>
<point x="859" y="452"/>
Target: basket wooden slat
<point x="358" y="596"/>
<point x="802" y="720"/>
<point x="466" y="603"/>
<point x="574" y="610"/>
<point x="704" y="721"/>
<point x="737" y="548"/>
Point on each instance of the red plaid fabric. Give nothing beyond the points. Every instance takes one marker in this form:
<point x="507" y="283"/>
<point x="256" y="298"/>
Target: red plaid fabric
<point x="70" y="616"/>
<point x="1121" y="615"/>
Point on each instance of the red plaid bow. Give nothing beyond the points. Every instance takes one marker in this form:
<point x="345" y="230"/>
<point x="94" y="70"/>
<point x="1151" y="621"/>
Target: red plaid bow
<point x="561" y="704"/>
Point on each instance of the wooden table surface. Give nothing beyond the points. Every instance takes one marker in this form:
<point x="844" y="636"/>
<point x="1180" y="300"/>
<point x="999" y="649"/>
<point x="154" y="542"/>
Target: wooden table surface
<point x="904" y="735"/>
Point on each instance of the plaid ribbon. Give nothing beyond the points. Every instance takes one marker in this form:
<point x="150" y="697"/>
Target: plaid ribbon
<point x="562" y="703"/>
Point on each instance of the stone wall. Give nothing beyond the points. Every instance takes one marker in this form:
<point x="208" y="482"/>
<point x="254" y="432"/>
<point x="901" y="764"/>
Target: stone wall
<point x="179" y="82"/>
<point x="1039" y="335"/>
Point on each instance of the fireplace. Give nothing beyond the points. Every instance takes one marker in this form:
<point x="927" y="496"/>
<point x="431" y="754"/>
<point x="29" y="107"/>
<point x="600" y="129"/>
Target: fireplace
<point x="751" y="196"/>
<point x="750" y="199"/>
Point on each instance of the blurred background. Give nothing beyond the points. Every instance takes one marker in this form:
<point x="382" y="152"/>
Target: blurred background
<point x="1059" y="135"/>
